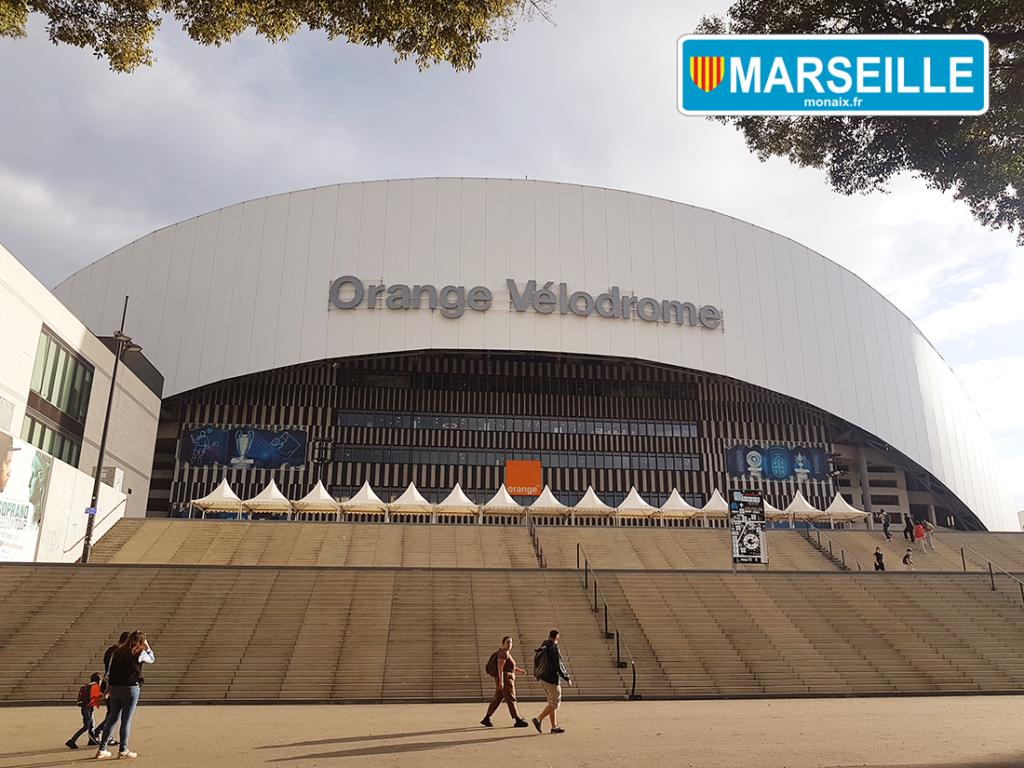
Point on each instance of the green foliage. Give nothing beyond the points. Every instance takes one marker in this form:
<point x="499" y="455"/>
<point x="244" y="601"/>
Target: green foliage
<point x="429" y="31"/>
<point x="980" y="159"/>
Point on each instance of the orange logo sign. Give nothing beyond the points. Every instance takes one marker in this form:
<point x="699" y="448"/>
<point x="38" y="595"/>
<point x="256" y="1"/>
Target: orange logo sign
<point x="707" y="71"/>
<point x="523" y="478"/>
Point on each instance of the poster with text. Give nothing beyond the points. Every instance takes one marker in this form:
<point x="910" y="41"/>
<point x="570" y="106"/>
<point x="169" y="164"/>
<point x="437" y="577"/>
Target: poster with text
<point x="24" y="480"/>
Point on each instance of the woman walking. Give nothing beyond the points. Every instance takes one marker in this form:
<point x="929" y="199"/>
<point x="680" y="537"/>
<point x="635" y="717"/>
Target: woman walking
<point x="123" y="681"/>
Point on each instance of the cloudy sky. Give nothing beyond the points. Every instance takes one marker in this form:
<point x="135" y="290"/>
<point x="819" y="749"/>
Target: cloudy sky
<point x="91" y="160"/>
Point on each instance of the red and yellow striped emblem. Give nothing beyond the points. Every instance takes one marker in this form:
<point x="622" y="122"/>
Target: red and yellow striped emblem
<point x="707" y="71"/>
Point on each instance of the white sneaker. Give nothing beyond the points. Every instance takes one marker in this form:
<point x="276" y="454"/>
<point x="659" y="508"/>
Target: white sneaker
<point x="101" y="753"/>
<point x="127" y="754"/>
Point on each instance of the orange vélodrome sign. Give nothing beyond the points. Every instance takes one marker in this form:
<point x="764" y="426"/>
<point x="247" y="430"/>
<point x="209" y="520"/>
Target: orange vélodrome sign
<point x="707" y="71"/>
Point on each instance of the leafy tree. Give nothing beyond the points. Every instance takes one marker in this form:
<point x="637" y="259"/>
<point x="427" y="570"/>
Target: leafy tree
<point x="430" y="31"/>
<point x="980" y="159"/>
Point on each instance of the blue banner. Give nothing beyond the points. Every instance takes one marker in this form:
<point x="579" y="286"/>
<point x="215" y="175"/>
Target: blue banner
<point x="777" y="462"/>
<point x="243" y="447"/>
<point x="833" y="74"/>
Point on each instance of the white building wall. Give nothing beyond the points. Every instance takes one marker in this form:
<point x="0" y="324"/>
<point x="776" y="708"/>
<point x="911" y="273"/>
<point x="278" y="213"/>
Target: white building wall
<point x="135" y="410"/>
<point x="245" y="289"/>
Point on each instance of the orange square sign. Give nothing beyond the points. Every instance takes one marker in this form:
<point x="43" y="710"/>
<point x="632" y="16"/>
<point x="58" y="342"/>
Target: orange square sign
<point x="522" y="478"/>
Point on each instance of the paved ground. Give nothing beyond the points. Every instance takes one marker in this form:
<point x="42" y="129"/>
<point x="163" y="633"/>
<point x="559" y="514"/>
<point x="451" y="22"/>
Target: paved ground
<point x="981" y="732"/>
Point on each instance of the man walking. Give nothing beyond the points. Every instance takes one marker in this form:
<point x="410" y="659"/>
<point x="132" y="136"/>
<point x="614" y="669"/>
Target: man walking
<point x="504" y="684"/>
<point x="550" y="681"/>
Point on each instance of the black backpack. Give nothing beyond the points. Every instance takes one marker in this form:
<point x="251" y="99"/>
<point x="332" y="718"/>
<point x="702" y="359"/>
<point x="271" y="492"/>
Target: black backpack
<point x="492" y="664"/>
<point x="540" y="662"/>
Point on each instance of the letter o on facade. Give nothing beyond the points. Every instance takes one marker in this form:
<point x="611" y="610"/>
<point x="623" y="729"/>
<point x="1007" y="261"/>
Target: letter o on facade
<point x="336" y="287"/>
<point x="588" y="303"/>
<point x="649" y="310"/>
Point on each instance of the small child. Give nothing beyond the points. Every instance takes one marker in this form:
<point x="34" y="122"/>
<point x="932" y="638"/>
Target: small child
<point x="89" y="697"/>
<point x="908" y="561"/>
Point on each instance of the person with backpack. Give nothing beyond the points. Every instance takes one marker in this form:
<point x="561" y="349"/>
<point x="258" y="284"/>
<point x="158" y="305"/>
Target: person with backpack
<point x="549" y="670"/>
<point x="124" y="678"/>
<point x="89" y="697"/>
<point x="502" y="667"/>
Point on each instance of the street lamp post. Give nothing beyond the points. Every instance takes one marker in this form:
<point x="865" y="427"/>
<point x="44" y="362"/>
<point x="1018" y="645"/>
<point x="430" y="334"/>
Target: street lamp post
<point x="124" y="343"/>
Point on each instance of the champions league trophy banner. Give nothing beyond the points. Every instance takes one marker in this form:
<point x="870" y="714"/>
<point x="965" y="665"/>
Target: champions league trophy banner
<point x="777" y="462"/>
<point x="747" y="523"/>
<point x="243" y="447"/>
<point x="24" y="482"/>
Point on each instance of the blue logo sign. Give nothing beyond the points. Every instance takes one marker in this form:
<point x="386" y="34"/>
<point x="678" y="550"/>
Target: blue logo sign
<point x="833" y="75"/>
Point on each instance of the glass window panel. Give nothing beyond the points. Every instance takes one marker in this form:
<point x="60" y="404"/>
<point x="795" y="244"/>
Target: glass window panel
<point x="641" y="427"/>
<point x="435" y="457"/>
<point x="643" y="462"/>
<point x="40" y="363"/>
<point x="659" y="429"/>
<point x="696" y="463"/>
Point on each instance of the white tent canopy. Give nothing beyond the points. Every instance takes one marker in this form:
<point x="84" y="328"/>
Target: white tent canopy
<point x="717" y="507"/>
<point x="270" y="499"/>
<point x="502" y="503"/>
<point x="364" y="501"/>
<point x="841" y="511"/>
<point x="800" y="507"/>
<point x="457" y="503"/>
<point x="677" y="507"/>
<point x="591" y="505"/>
<point x="220" y="499"/>
<point x="548" y="504"/>
<point x="634" y="505"/>
<point x="411" y="501"/>
<point x="317" y="500"/>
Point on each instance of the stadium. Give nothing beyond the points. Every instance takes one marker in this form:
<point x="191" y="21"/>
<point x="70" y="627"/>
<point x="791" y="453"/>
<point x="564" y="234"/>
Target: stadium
<point x="591" y="351"/>
<point x="428" y="331"/>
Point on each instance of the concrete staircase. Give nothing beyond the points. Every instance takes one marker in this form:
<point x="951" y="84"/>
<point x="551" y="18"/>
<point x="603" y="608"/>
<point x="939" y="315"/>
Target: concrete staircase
<point x="255" y="634"/>
<point x="284" y="544"/>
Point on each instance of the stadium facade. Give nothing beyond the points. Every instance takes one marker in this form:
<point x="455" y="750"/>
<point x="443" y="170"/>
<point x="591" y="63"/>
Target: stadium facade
<point x="431" y="330"/>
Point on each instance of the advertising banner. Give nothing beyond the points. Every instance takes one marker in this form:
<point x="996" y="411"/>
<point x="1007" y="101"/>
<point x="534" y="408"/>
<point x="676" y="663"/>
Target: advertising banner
<point x="24" y="481"/>
<point x="523" y="478"/>
<point x="243" y="447"/>
<point x="777" y="462"/>
<point x="747" y="524"/>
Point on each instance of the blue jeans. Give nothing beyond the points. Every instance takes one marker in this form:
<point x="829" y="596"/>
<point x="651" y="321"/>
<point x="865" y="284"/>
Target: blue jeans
<point x="123" y="700"/>
<point x="87" y="725"/>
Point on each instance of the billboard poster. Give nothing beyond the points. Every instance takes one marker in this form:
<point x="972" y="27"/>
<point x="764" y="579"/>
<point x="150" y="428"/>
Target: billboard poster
<point x="747" y="524"/>
<point x="523" y="478"/>
<point x="24" y="481"/>
<point x="243" y="447"/>
<point x="777" y="462"/>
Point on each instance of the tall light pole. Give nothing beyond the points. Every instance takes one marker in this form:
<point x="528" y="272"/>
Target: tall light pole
<point x="124" y="343"/>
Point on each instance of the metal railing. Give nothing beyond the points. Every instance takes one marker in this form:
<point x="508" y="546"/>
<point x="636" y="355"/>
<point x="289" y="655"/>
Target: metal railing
<point x="832" y="546"/>
<point x="620" y="644"/>
<point x="991" y="572"/>
<point x="538" y="550"/>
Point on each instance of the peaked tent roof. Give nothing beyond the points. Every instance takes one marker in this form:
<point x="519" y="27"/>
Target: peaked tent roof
<point x="839" y="509"/>
<point x="591" y="503"/>
<point x="503" y="501"/>
<point x="411" y="501"/>
<point x="221" y="498"/>
<point x="364" y="501"/>
<point x="270" y="498"/>
<point x="801" y="507"/>
<point x="318" y="498"/>
<point x="676" y="506"/>
<point x="635" y="506"/>
<point x="716" y="506"/>
<point x="457" y="502"/>
<point x="547" y="502"/>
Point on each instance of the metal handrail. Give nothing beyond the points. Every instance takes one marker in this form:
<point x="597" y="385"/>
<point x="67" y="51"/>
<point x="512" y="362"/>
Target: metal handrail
<point x="620" y="644"/>
<point x="538" y="550"/>
<point x="991" y="573"/>
<point x="842" y="552"/>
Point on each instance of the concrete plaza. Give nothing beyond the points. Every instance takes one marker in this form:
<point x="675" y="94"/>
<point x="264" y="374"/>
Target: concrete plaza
<point x="926" y="732"/>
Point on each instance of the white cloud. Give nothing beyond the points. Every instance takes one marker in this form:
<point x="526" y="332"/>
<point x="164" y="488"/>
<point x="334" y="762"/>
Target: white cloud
<point x="994" y="303"/>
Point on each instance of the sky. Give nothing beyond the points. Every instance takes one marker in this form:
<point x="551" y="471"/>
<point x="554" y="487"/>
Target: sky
<point x="91" y="160"/>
